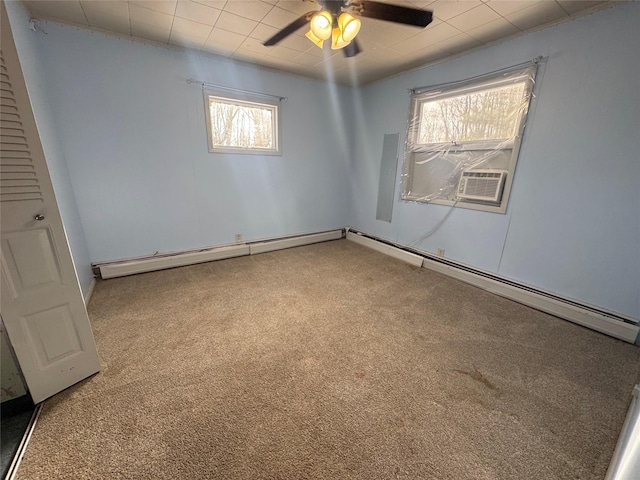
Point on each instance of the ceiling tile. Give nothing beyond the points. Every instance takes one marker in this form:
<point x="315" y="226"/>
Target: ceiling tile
<point x="421" y="62"/>
<point x="218" y="4"/>
<point x="387" y="47"/>
<point x="283" y="63"/>
<point x="64" y="11"/>
<point x="279" y="18"/>
<point x="298" y="7"/>
<point x="263" y="32"/>
<point x="507" y="7"/>
<point x="535" y="15"/>
<point x="363" y="62"/>
<point x="150" y="32"/>
<point x="145" y="16"/>
<point x="424" y="4"/>
<point x="306" y="59"/>
<point x="381" y="54"/>
<point x="473" y="18"/>
<point x="439" y="32"/>
<point x="374" y="32"/>
<point x="255" y="46"/>
<point x="196" y="12"/>
<point x="253" y="10"/>
<point x="458" y="44"/>
<point x="216" y="49"/>
<point x="409" y="46"/>
<point x="574" y="6"/>
<point x="322" y="53"/>
<point x="425" y="55"/>
<point x="429" y="36"/>
<point x="364" y="74"/>
<point x="333" y="64"/>
<point x="185" y="40"/>
<point x="296" y="42"/>
<point x="234" y="23"/>
<point x="492" y="31"/>
<point x="164" y="6"/>
<point x="404" y="3"/>
<point x="108" y="15"/>
<point x="279" y="51"/>
<point x="446" y="9"/>
<point x="222" y="37"/>
<point x="248" y="56"/>
<point x="192" y="29"/>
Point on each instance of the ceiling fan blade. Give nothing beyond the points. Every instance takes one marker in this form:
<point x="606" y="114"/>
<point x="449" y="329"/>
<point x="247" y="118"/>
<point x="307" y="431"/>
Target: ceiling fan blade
<point x="394" y="13"/>
<point x="289" y="29"/>
<point x="352" y="49"/>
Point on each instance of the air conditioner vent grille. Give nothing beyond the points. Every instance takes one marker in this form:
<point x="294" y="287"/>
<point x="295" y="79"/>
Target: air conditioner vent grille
<point x="485" y="185"/>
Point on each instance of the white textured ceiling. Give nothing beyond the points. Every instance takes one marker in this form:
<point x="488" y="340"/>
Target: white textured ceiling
<point x="237" y="29"/>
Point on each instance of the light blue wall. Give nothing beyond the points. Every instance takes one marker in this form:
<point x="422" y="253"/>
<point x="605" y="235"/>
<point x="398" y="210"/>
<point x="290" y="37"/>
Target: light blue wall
<point x="573" y="221"/>
<point x="135" y="142"/>
<point x="37" y="84"/>
<point x="132" y="132"/>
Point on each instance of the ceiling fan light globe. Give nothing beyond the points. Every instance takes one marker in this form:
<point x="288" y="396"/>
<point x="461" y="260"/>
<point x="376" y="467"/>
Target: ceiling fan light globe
<point x="349" y="25"/>
<point x="316" y="41"/>
<point x="320" y="25"/>
<point x="337" y="41"/>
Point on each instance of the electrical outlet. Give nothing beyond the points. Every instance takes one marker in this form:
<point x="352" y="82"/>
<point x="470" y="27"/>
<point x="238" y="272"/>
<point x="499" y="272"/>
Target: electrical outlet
<point x="238" y="237"/>
<point x="441" y="252"/>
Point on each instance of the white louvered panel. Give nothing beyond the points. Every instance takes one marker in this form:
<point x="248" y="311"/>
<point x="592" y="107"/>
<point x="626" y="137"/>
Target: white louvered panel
<point x="18" y="176"/>
<point x="482" y="187"/>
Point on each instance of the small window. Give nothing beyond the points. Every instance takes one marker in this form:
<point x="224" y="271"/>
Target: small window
<point x="462" y="135"/>
<point x="239" y="124"/>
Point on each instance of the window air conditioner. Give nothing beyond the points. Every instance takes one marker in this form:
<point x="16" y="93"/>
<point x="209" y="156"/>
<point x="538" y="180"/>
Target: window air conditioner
<point x="485" y="185"/>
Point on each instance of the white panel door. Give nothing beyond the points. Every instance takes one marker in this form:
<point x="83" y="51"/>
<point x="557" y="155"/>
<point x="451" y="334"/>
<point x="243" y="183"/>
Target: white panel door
<point x="41" y="301"/>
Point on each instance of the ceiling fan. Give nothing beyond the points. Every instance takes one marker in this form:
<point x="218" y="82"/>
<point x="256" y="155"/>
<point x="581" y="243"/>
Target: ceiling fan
<point x="338" y="22"/>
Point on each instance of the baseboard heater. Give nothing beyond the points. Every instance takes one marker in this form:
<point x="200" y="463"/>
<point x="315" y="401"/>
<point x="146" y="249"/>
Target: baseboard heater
<point x="609" y="323"/>
<point x="180" y="259"/>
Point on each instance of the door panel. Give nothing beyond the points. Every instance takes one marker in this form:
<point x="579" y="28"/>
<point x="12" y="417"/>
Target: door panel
<point x="30" y="259"/>
<point x="52" y="335"/>
<point x="41" y="301"/>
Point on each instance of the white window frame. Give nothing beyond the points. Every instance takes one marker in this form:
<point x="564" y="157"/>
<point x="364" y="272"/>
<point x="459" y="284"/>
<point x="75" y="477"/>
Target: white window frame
<point x="247" y="100"/>
<point x="429" y="94"/>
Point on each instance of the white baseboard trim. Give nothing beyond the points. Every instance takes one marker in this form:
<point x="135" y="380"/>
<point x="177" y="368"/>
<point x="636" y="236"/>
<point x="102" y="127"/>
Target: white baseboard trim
<point x="568" y="310"/>
<point x="181" y="259"/>
<point x="87" y="297"/>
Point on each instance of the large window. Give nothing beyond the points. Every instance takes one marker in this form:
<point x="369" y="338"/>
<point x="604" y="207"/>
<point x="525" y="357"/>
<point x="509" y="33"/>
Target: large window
<point x="240" y="125"/>
<point x="463" y="140"/>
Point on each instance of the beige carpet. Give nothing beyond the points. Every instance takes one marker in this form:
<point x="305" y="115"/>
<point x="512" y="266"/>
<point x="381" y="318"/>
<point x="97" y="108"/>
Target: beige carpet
<point x="332" y="362"/>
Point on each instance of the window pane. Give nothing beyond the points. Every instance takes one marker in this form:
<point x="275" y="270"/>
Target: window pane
<point x="490" y="114"/>
<point x="241" y="126"/>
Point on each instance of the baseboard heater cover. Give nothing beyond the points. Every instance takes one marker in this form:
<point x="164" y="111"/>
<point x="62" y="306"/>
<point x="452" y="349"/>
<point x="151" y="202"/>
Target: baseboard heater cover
<point x="566" y="309"/>
<point x="270" y="246"/>
<point x="410" y="258"/>
<point x="182" y="259"/>
<point x="178" y="260"/>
